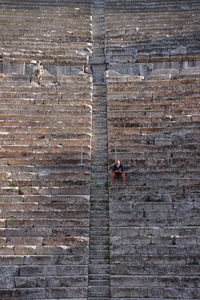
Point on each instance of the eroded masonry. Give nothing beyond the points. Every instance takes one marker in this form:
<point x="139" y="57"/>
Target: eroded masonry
<point x="120" y="80"/>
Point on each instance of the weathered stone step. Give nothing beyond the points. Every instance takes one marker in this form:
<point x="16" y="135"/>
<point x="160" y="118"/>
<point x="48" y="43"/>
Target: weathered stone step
<point x="40" y="232"/>
<point x="99" y="261"/>
<point x="42" y="223"/>
<point x="99" y="147"/>
<point x="133" y="298"/>
<point x="98" y="247"/>
<point x="100" y="292"/>
<point x="156" y="231"/>
<point x="99" y="240"/>
<point x="97" y="131"/>
<point x="167" y="291"/>
<point x="99" y="121"/>
<point x="99" y="155"/>
<point x="99" y="282"/>
<point x="99" y="230"/>
<point x="104" y="298"/>
<point x="100" y="168"/>
<point x="98" y="60"/>
<point x="18" y="260"/>
<point x="21" y="214"/>
<point x="175" y="280"/>
<point x="152" y="249"/>
<point x="103" y="206"/>
<point x="99" y="197"/>
<point x="96" y="208"/>
<point x="73" y="198"/>
<point x="42" y="250"/>
<point x="102" y="214"/>
<point x="100" y="162"/>
<point x="42" y="293"/>
<point x="48" y="241"/>
<point x="101" y="222"/>
<point x="99" y="268"/>
<point x="99" y="254"/>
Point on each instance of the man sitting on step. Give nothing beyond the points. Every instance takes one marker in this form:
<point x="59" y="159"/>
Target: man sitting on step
<point x="118" y="171"/>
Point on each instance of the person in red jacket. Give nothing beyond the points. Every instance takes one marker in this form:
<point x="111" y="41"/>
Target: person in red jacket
<point x="118" y="171"/>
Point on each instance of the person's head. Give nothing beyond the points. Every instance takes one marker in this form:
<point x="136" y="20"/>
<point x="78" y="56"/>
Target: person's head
<point x="117" y="163"/>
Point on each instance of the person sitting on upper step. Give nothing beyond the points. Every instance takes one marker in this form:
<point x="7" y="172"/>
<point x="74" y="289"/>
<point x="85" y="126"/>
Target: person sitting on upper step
<point x="118" y="171"/>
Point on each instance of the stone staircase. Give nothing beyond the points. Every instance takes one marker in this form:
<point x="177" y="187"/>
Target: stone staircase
<point x="45" y="140"/>
<point x="44" y="197"/>
<point x="153" y="128"/>
<point x="99" y="258"/>
<point x="121" y="81"/>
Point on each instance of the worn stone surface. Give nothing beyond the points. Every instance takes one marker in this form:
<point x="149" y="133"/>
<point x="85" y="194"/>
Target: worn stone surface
<point x="45" y="140"/>
<point x="121" y="81"/>
<point x="152" y="89"/>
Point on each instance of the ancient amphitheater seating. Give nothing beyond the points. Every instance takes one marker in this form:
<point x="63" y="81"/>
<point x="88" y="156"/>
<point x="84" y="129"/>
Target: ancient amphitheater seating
<point x="44" y="190"/>
<point x="45" y="150"/>
<point x="153" y="128"/>
<point x="66" y="232"/>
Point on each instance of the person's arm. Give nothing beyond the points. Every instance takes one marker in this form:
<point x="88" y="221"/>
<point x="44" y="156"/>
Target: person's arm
<point x="121" y="168"/>
<point x="114" y="169"/>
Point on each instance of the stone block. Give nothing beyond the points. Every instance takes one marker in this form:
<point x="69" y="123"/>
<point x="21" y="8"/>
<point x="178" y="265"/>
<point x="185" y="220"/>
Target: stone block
<point x="25" y="282"/>
<point x="79" y="292"/>
<point x="135" y="292"/>
<point x="182" y="293"/>
<point x="41" y="281"/>
<point x="11" y="260"/>
<point x="24" y="250"/>
<point x="81" y="281"/>
<point x="163" y="142"/>
<point x="28" y="293"/>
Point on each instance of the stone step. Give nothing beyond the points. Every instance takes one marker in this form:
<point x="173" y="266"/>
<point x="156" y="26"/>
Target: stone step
<point x="98" y="194"/>
<point x="100" y="169"/>
<point x="104" y="298"/>
<point x="99" y="206"/>
<point x="99" y="282"/>
<point x="21" y="214"/>
<point x="18" y="260"/>
<point x="99" y="240"/>
<point x="40" y="232"/>
<point x="99" y="231"/>
<point x="45" y="225"/>
<point x="39" y="241"/>
<point x="98" y="175"/>
<point x="99" y="254"/>
<point x="103" y="206"/>
<point x="150" y="298"/>
<point x="41" y="250"/>
<point x="100" y="292"/>
<point x="42" y="293"/>
<point x="98" y="247"/>
<point x="99" y="269"/>
<point x="99" y="155"/>
<point x="99" y="261"/>
<point x="98" y="60"/>
<point x="99" y="223"/>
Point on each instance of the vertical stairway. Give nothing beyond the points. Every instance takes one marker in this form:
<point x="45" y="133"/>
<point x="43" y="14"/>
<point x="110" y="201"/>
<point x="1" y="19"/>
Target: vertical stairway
<point x="99" y="257"/>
